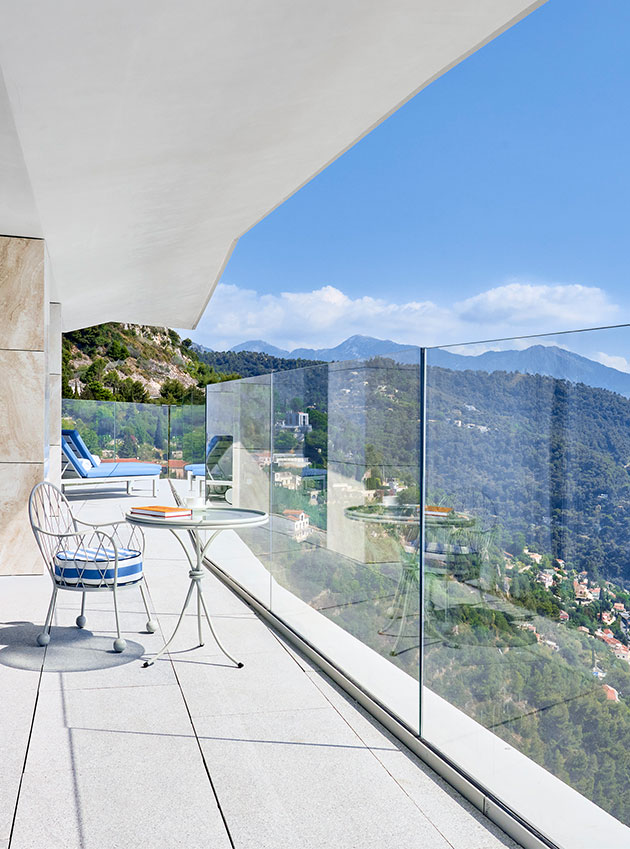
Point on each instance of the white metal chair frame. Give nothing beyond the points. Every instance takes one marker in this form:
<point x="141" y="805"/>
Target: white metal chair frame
<point x="58" y="532"/>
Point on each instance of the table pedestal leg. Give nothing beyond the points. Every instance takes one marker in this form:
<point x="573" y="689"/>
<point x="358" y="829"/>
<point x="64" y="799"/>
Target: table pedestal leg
<point x="199" y="613"/>
<point x="218" y="642"/>
<point x="179" y="622"/>
<point x="407" y="590"/>
<point x="196" y="574"/>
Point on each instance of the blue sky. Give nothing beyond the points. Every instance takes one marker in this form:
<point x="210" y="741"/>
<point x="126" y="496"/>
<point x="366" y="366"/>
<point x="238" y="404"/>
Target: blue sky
<point x="494" y="203"/>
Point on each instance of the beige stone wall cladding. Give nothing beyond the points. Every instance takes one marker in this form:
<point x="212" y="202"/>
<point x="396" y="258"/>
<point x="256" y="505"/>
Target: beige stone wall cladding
<point x="54" y="392"/>
<point x="19" y="554"/>
<point x="23" y="391"/>
<point x="23" y="414"/>
<point x="22" y="294"/>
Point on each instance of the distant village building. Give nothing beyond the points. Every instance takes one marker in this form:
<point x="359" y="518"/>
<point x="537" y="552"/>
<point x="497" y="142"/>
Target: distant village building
<point x="297" y="422"/>
<point x="528" y="626"/>
<point x="534" y="556"/>
<point x="300" y="523"/>
<point x="291" y="461"/>
<point x="611" y="694"/>
<point x="619" y="649"/>
<point x="582" y="593"/>
<point x="287" y="479"/>
<point x="263" y="459"/>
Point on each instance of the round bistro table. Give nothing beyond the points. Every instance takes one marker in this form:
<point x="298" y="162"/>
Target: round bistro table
<point x="214" y="520"/>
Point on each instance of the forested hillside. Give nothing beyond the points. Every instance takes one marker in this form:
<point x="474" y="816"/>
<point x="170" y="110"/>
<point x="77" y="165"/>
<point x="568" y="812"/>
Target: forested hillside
<point x="249" y="363"/>
<point x="544" y="461"/>
<point x="125" y="362"/>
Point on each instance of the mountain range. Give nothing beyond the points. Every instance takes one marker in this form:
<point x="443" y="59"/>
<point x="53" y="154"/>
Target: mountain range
<point x="354" y="348"/>
<point x="548" y="360"/>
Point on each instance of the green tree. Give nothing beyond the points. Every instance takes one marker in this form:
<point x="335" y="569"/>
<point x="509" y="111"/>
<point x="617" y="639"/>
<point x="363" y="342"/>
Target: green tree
<point x="158" y="436"/>
<point x="284" y="440"/>
<point x="117" y="350"/>
<point x="173" y="391"/>
<point x="129" y="446"/>
<point x="90" y="438"/>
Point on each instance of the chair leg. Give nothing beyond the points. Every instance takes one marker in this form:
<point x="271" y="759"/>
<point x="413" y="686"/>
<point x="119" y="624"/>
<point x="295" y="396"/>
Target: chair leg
<point x="155" y="482"/>
<point x="128" y="487"/>
<point x="44" y="638"/>
<point x="81" y="620"/>
<point x="152" y="625"/>
<point x="119" y="644"/>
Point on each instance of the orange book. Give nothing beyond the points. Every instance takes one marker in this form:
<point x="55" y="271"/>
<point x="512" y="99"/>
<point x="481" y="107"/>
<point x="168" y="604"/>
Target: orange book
<point x="162" y="512"/>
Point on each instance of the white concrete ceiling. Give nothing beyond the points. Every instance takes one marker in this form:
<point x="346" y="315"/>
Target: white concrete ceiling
<point x="141" y="138"/>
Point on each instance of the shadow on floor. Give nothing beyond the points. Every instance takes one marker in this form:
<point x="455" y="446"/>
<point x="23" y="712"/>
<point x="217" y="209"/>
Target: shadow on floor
<point x="96" y="495"/>
<point x="69" y="650"/>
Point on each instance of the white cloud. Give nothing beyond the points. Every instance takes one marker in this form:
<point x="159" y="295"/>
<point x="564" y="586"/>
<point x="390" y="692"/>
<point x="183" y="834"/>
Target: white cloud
<point x="320" y="318"/>
<point x="517" y="304"/>
<point x="620" y="363"/>
<point x="324" y="317"/>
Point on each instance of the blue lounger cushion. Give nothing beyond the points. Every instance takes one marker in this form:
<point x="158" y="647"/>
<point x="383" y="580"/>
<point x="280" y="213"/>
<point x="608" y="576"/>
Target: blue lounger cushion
<point x="106" y="470"/>
<point x="122" y="470"/>
<point x="94" y="567"/>
<point x="197" y="469"/>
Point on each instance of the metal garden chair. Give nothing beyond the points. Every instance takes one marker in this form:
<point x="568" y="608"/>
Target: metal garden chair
<point x="83" y="557"/>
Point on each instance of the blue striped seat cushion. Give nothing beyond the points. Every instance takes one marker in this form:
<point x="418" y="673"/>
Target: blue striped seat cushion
<point x="94" y="567"/>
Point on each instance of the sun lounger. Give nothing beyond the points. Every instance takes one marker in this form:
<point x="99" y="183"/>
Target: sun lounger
<point x="211" y="471"/>
<point x="82" y="468"/>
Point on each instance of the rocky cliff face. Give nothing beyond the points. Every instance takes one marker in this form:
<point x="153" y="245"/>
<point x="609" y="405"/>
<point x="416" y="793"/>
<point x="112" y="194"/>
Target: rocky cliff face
<point x="131" y="363"/>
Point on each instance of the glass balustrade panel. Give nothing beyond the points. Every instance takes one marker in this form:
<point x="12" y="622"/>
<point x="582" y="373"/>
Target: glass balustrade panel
<point x="238" y="452"/>
<point x="526" y="667"/>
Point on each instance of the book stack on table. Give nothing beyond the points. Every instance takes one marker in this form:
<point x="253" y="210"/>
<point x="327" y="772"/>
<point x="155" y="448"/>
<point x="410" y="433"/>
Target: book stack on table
<point x="162" y="512"/>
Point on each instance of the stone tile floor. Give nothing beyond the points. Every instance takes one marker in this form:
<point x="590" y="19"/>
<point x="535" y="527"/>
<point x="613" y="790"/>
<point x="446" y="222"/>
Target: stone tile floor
<point x="97" y="752"/>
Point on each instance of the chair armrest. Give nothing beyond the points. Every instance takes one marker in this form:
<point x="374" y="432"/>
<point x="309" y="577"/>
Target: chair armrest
<point x="65" y="535"/>
<point x="100" y="524"/>
<point x="123" y="534"/>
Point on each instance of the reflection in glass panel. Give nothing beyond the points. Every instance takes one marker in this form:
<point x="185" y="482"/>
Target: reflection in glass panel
<point x="96" y="423"/>
<point x="526" y="568"/>
<point x="194" y="434"/>
<point x="237" y="466"/>
<point x="345" y="504"/>
<point x="141" y="432"/>
<point x="119" y="431"/>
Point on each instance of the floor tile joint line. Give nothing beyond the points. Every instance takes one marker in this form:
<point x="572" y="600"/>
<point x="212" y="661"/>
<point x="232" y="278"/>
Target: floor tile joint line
<point x="28" y="746"/>
<point x="203" y="758"/>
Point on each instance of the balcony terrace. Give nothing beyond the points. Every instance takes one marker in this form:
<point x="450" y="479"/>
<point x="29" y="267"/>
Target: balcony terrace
<point x="444" y="540"/>
<point x="99" y="752"/>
